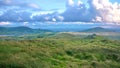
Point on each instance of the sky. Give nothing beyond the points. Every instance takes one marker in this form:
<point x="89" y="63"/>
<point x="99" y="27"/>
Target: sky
<point x="97" y="11"/>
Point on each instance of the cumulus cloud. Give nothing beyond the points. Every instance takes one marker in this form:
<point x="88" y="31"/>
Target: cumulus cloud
<point x="105" y="10"/>
<point x="4" y="23"/>
<point x="70" y="3"/>
<point x="79" y="2"/>
<point x="98" y="11"/>
<point x="76" y="11"/>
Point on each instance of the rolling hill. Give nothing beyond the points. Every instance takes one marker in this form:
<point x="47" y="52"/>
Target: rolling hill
<point x="20" y="30"/>
<point x="98" y="29"/>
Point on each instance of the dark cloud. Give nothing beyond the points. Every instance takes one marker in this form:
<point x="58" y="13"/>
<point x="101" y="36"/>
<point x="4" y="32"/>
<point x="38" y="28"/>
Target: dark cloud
<point x="17" y="10"/>
<point x="14" y="16"/>
<point x="76" y="12"/>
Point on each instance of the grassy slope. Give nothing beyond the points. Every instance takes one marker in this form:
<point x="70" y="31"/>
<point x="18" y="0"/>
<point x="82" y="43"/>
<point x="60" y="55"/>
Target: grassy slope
<point x="60" y="52"/>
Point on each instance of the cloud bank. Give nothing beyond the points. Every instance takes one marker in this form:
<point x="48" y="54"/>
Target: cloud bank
<point x="4" y="23"/>
<point x="106" y="11"/>
<point x="98" y="11"/>
<point x="76" y="11"/>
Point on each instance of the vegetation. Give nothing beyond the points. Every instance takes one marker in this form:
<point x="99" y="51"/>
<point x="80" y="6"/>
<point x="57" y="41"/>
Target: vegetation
<point x="21" y="30"/>
<point x="60" y="51"/>
<point x="98" y="29"/>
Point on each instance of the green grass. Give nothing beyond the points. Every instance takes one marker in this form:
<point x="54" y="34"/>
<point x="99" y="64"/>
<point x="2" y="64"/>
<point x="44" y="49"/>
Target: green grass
<point x="63" y="51"/>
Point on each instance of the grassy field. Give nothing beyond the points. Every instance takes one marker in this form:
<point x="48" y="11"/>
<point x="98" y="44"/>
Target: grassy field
<point x="60" y="51"/>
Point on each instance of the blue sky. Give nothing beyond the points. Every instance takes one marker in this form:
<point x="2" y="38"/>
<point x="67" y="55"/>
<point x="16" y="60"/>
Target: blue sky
<point x="57" y="4"/>
<point x="100" y="11"/>
<point x="44" y="4"/>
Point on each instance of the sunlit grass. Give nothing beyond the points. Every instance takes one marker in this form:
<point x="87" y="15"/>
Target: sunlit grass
<point x="60" y="52"/>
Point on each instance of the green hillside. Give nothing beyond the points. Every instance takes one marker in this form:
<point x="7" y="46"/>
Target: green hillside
<point x="60" y="51"/>
<point x="22" y="30"/>
<point x="98" y="29"/>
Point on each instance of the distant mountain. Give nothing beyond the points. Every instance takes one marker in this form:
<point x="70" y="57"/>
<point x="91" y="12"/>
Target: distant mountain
<point x="98" y="29"/>
<point x="21" y="30"/>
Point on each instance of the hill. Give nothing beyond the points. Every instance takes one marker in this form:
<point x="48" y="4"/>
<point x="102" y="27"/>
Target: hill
<point x="20" y="30"/>
<point x="98" y="29"/>
<point x="60" y="53"/>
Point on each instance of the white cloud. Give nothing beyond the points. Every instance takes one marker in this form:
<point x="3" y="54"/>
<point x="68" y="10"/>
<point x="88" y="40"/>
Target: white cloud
<point x="25" y="23"/>
<point x="97" y="19"/>
<point x="47" y="18"/>
<point x="54" y="20"/>
<point x="79" y="3"/>
<point x="34" y="6"/>
<point x="97" y="4"/>
<point x="110" y="12"/>
<point x="61" y="18"/>
<point x="107" y="11"/>
<point x="70" y="3"/>
<point x="98" y="11"/>
<point x="5" y="23"/>
<point x="39" y="13"/>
